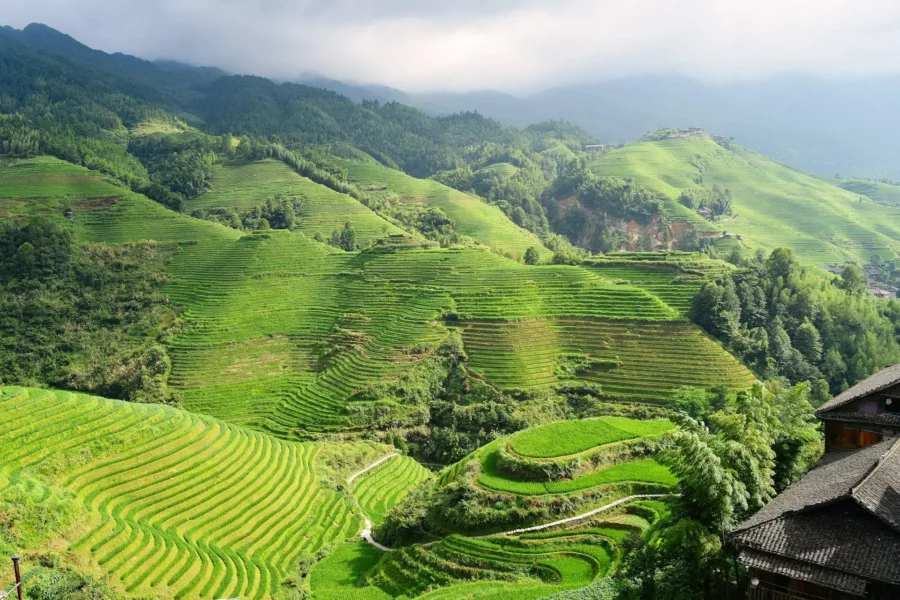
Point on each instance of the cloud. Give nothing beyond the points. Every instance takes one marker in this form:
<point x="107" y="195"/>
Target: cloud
<point x="491" y="44"/>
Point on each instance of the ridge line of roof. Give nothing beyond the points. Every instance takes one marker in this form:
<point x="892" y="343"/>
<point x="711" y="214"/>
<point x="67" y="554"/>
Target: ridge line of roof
<point x="798" y="511"/>
<point x="849" y="399"/>
<point x="895" y="447"/>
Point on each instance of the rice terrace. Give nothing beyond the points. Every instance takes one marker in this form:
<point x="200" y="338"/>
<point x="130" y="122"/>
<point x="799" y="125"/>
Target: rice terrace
<point x="264" y="340"/>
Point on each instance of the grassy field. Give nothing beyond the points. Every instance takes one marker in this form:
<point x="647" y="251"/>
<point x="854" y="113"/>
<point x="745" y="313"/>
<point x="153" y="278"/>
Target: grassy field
<point x="341" y="576"/>
<point x="475" y="218"/>
<point x="500" y="168"/>
<point x="775" y="204"/>
<point x="172" y="503"/>
<point x="570" y="437"/>
<point x="281" y="331"/>
<point x="380" y="489"/>
<point x="244" y="185"/>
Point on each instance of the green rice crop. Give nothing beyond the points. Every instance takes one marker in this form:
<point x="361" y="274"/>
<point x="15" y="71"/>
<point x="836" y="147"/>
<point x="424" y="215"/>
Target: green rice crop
<point x="570" y="437"/>
<point x="638" y="471"/>
<point x="341" y="576"/>
<point x="380" y="489"/>
<point x="175" y="504"/>
<point x="281" y="332"/>
<point x="473" y="217"/>
<point x="515" y="567"/>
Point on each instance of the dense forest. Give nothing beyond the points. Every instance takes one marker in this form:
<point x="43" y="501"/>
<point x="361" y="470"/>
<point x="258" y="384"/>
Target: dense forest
<point x="786" y="322"/>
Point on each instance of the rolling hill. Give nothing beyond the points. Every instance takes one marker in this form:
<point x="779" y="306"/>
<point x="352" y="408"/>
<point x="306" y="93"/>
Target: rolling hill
<point x="282" y="332"/>
<point x="775" y="205"/>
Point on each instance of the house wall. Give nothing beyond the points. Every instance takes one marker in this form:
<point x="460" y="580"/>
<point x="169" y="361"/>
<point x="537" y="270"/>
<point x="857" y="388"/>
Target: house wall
<point x="846" y="436"/>
<point x="778" y="587"/>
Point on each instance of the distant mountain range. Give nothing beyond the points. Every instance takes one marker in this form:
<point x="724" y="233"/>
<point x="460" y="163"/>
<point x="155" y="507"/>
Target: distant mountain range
<point x="824" y="126"/>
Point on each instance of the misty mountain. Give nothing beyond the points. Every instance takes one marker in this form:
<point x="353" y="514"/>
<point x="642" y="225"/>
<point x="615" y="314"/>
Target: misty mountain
<point x="846" y="126"/>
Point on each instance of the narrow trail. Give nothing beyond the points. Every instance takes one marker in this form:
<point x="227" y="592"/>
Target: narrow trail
<point x="372" y="466"/>
<point x="589" y="513"/>
<point x="367" y="530"/>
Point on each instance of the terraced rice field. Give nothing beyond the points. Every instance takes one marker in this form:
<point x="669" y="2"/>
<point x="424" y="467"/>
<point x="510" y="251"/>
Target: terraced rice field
<point x="552" y="564"/>
<point x="48" y="186"/>
<point x="600" y="447"/>
<point x="176" y="504"/>
<point x="775" y="205"/>
<point x="482" y="222"/>
<point x="244" y="185"/>
<point x="385" y="486"/>
<point x="563" y="438"/>
<point x="651" y="360"/>
<point x="659" y="282"/>
<point x="280" y="331"/>
<point x="637" y="471"/>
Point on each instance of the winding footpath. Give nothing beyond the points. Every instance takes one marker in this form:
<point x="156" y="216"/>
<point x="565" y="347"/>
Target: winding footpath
<point x="589" y="513"/>
<point x="367" y="529"/>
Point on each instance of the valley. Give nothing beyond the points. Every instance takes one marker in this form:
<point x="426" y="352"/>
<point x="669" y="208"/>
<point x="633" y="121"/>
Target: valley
<point x="261" y="341"/>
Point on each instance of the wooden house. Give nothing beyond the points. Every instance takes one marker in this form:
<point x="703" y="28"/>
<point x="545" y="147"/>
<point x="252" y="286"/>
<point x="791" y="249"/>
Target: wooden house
<point x="865" y="414"/>
<point x="832" y="535"/>
<point x="835" y="533"/>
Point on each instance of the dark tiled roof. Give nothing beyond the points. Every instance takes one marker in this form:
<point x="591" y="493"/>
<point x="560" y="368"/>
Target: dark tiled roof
<point x="880" y="380"/>
<point x="879" y="492"/>
<point x="884" y="418"/>
<point x="833" y="478"/>
<point x="841" y="537"/>
<point x="803" y="571"/>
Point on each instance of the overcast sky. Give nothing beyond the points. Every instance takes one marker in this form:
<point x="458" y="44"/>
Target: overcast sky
<point x="517" y="46"/>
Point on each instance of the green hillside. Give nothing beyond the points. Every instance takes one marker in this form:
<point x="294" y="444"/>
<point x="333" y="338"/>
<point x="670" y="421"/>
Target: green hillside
<point x="491" y="408"/>
<point x="775" y="205"/>
<point x="281" y="331"/>
<point x="170" y="503"/>
<point x="881" y="192"/>
<point x="244" y="185"/>
<point x="482" y="222"/>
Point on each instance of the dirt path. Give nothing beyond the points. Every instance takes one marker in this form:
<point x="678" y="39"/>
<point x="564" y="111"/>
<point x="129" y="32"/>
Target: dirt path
<point x="367" y="535"/>
<point x="370" y="467"/>
<point x="367" y="530"/>
<point x="589" y="513"/>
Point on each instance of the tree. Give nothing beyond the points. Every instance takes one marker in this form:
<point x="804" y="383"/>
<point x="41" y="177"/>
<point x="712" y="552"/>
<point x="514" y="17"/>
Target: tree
<point x="853" y="279"/>
<point x="347" y="240"/>
<point x="808" y="341"/>
<point x="781" y="263"/>
<point x="695" y="402"/>
<point x="531" y="256"/>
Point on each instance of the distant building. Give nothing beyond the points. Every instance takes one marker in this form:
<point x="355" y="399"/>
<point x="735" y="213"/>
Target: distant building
<point x="864" y="414"/>
<point x="593" y="148"/>
<point x="883" y="294"/>
<point x="835" y="533"/>
<point x="705" y="212"/>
